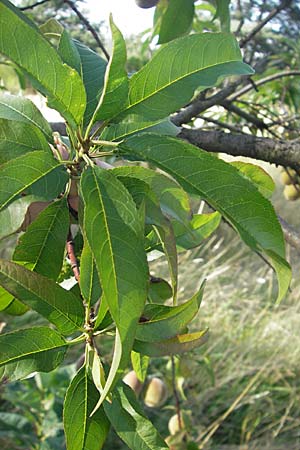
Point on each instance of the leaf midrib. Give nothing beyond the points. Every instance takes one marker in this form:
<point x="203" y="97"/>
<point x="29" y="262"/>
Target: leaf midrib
<point x="32" y="353"/>
<point x="154" y="93"/>
<point x="18" y="282"/>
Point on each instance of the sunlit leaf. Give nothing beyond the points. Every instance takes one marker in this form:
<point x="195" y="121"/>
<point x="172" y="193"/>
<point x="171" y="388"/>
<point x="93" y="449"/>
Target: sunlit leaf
<point x="173" y="346"/>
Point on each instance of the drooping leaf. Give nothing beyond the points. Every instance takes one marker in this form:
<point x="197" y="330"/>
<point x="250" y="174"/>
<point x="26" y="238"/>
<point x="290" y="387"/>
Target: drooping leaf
<point x="174" y="202"/>
<point x="82" y="431"/>
<point x="224" y="188"/>
<point x="176" y="20"/>
<point x="38" y="58"/>
<point x="60" y="307"/>
<point x="93" y="71"/>
<point x="89" y="279"/>
<point x="115" y="236"/>
<point x="114" y="95"/>
<point x="21" y="109"/>
<point x="168" y="81"/>
<point x="22" y="352"/>
<point x="12" y="217"/>
<point x="173" y="346"/>
<point x="130" y="423"/>
<point x="258" y="176"/>
<point x="41" y="247"/>
<point x="164" y="322"/>
<point x="140" y="365"/>
<point x="35" y="172"/>
<point x="18" y="138"/>
<point x="136" y="124"/>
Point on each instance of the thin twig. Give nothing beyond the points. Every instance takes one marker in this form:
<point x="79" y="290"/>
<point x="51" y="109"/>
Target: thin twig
<point x="244" y="90"/>
<point x="177" y="401"/>
<point x="88" y="26"/>
<point x="34" y="5"/>
<point x="261" y="24"/>
<point x="72" y="257"/>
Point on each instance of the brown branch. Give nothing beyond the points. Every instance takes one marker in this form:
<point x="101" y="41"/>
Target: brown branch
<point x="72" y="257"/>
<point x="34" y="5"/>
<point x="291" y="236"/>
<point x="88" y="26"/>
<point x="259" y="123"/>
<point x="276" y="151"/>
<point x="249" y="87"/>
<point x="198" y="105"/>
<point x="220" y="124"/>
<point x="261" y="24"/>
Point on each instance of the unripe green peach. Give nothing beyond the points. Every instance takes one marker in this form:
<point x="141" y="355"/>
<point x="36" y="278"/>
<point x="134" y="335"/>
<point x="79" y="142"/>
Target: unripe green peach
<point x="289" y="177"/>
<point x="132" y="381"/>
<point x="291" y="192"/>
<point x="156" y="393"/>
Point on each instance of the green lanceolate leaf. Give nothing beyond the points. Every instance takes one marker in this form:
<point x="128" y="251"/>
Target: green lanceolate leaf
<point x="21" y="109"/>
<point x="115" y="236"/>
<point x="41" y="247"/>
<point x="167" y="321"/>
<point x="130" y="423"/>
<point x="136" y="124"/>
<point x="38" y="58"/>
<point x="201" y="227"/>
<point x="43" y="295"/>
<point x="168" y="81"/>
<point x="33" y="172"/>
<point x="82" y="431"/>
<point x="89" y="279"/>
<point x="262" y="180"/>
<point x="93" y="71"/>
<point x="141" y="192"/>
<point x="224" y="188"/>
<point x="18" y="138"/>
<point x="115" y="91"/>
<point x="173" y="200"/>
<point x="22" y="352"/>
<point x="176" y="20"/>
<point x="173" y="346"/>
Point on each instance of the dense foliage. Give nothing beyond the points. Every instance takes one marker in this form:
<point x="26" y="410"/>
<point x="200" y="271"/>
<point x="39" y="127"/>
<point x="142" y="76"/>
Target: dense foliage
<point x="59" y="190"/>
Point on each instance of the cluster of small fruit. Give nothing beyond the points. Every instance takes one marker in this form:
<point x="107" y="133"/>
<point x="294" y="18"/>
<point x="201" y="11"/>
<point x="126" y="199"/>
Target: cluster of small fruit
<point x="154" y="393"/>
<point x="291" y="181"/>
